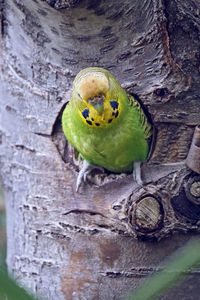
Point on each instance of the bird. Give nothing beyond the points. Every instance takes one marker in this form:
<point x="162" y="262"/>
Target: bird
<point x="106" y="125"/>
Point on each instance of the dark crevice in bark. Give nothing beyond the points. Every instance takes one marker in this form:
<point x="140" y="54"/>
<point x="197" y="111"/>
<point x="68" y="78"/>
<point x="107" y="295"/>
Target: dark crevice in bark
<point x="67" y="153"/>
<point x="63" y="4"/>
<point x="3" y="23"/>
<point x="42" y="134"/>
<point x="77" y="211"/>
<point x="22" y="147"/>
<point x="183" y="21"/>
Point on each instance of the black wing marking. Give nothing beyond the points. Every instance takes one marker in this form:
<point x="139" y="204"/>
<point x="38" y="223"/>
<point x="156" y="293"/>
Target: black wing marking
<point x="148" y="129"/>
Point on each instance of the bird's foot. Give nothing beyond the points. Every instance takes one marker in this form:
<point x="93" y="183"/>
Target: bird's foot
<point x="86" y="169"/>
<point x="137" y="172"/>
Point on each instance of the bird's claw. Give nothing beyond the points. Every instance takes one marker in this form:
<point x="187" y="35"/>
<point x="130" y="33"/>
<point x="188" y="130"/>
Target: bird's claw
<point x="84" y="172"/>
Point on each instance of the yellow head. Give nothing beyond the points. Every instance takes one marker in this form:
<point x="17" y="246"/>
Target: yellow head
<point x="96" y="93"/>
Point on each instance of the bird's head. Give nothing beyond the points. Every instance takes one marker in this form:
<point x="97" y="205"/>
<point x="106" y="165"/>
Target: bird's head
<point x="97" y="95"/>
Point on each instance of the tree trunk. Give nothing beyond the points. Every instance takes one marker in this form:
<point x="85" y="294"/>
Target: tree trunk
<point x="99" y="243"/>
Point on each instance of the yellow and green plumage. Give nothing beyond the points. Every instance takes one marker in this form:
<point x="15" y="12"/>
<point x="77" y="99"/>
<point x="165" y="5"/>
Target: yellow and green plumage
<point x="105" y="124"/>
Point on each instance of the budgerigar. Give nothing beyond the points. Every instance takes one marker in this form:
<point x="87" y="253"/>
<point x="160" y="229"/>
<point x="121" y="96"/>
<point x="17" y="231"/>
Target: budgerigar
<point x="106" y="125"/>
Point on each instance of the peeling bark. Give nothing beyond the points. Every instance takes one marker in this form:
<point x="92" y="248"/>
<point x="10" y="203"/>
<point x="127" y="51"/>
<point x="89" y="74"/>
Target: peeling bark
<point x="95" y="244"/>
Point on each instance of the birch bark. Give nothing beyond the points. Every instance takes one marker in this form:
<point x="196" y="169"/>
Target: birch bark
<point x="94" y="244"/>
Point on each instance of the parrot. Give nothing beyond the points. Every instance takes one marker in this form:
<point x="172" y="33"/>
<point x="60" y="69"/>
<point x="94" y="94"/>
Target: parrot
<point x="106" y="125"/>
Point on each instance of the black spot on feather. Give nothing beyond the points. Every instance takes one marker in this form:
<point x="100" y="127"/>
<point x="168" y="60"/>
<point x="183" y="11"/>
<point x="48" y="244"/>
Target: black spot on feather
<point x="89" y="122"/>
<point x="110" y="120"/>
<point x="114" y="104"/>
<point x="97" y="124"/>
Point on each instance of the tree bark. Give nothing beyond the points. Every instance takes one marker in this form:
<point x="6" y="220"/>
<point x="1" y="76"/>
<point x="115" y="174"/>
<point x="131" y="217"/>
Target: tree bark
<point x="99" y="243"/>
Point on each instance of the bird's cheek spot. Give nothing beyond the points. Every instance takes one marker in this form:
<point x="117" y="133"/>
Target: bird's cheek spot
<point x="114" y="104"/>
<point x="85" y="113"/>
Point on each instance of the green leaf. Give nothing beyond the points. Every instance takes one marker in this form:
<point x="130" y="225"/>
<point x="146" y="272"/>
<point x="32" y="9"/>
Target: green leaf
<point x="10" y="289"/>
<point x="179" y="266"/>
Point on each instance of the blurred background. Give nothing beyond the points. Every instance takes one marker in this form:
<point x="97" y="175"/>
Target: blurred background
<point x="2" y="230"/>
